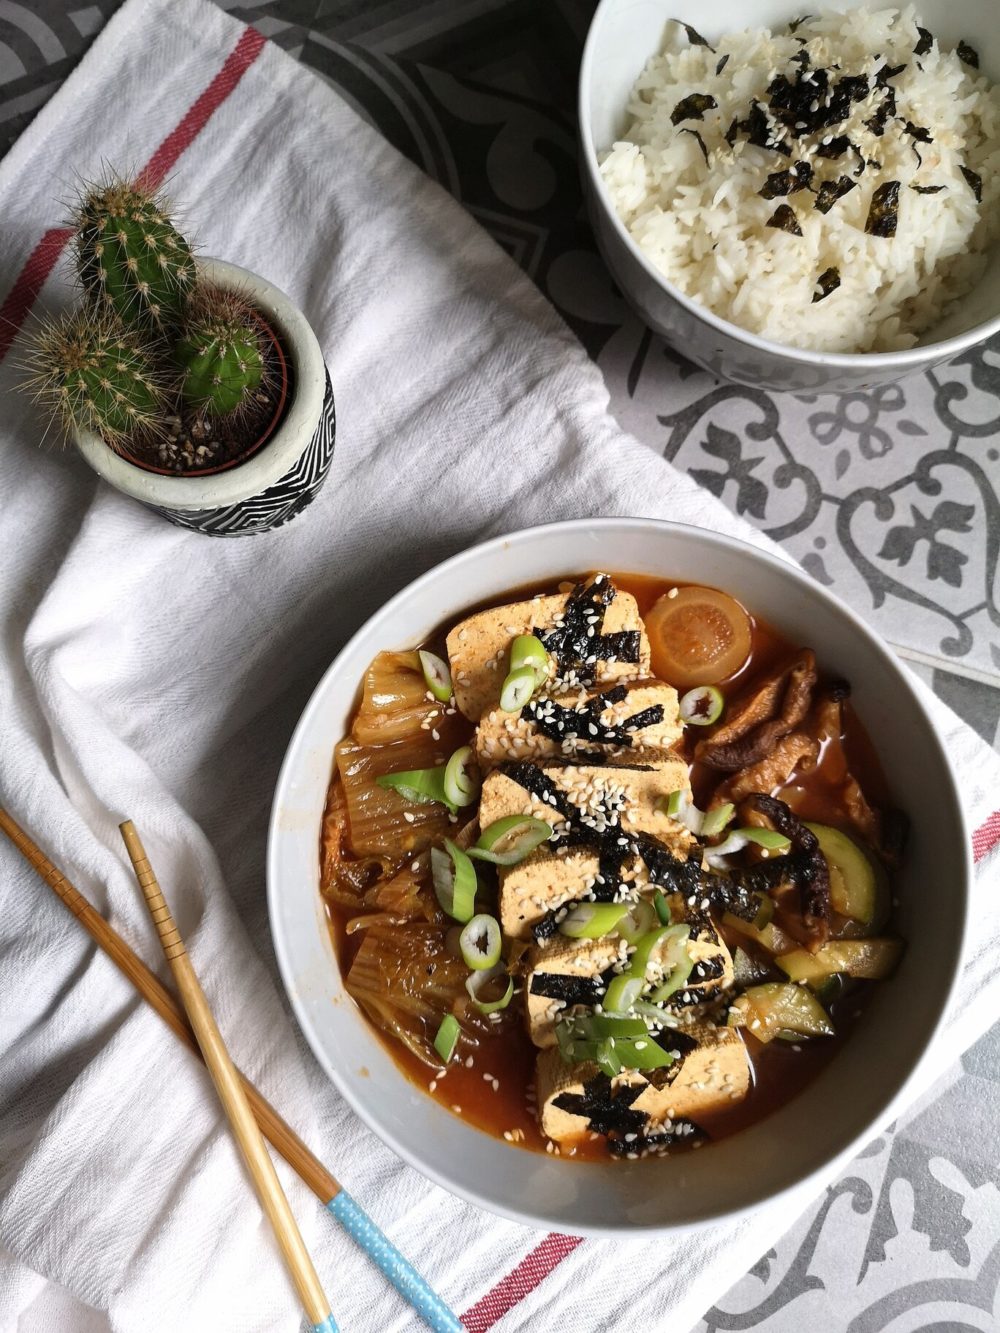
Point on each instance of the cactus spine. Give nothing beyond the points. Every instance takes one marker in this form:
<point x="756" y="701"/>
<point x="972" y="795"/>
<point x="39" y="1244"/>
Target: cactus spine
<point x="131" y="259"/>
<point x="219" y="356"/>
<point x="97" y="377"/>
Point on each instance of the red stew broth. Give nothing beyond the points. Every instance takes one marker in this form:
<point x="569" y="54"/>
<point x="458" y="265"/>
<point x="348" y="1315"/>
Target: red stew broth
<point x="779" y="1069"/>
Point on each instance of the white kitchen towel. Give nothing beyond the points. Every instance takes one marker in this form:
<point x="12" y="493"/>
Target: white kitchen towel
<point x="155" y="673"/>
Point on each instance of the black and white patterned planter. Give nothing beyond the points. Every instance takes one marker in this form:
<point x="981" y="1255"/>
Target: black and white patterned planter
<point x="269" y="488"/>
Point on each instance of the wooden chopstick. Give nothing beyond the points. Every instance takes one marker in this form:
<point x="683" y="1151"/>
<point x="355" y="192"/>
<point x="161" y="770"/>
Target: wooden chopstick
<point x="337" y="1200"/>
<point x="251" y="1143"/>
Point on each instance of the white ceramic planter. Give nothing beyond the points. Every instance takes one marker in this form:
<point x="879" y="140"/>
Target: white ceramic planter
<point x="278" y="481"/>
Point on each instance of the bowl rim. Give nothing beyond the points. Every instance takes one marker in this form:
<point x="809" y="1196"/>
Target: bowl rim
<point x="911" y="358"/>
<point x="802" y="1186"/>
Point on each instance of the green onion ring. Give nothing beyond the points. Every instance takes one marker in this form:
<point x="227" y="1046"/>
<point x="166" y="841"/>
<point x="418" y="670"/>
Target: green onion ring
<point x="481" y="942"/>
<point x="447" y="1037"/>
<point x="437" y="676"/>
<point x="507" y="841"/>
<point x="622" y="993"/>
<point x="460" y="786"/>
<point x="701" y="706"/>
<point x="455" y="882"/>
<point x="478" y="980"/>
<point x="591" y="921"/>
<point x="528" y="651"/>
<point x="517" y="689"/>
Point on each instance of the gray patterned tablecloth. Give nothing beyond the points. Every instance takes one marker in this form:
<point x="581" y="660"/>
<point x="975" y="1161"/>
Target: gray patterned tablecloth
<point x="891" y="498"/>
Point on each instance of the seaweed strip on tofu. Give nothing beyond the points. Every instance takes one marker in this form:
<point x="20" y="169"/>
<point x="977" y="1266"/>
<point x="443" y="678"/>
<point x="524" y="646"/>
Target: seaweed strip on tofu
<point x="832" y="191"/>
<point x="928" y="189"/>
<point x="967" y="54"/>
<point x="798" y="177"/>
<point x="783" y="219"/>
<point x="884" y="211"/>
<point x="827" y="282"/>
<point x="701" y="141"/>
<point x="684" y="1131"/>
<point x="568" y="988"/>
<point x="925" y="43"/>
<point x="692" y="107"/>
<point x="694" y="36"/>
<point x="975" y="183"/>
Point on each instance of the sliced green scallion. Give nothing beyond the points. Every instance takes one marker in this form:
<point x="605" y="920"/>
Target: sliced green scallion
<point x="455" y="883"/>
<point x="447" y="1037"/>
<point x="640" y="918"/>
<point x="614" y="1044"/>
<point x="702" y="823"/>
<point x="437" y="676"/>
<point x="507" y="841"/>
<point x="592" y="921"/>
<point x="528" y="651"/>
<point x="622" y="993"/>
<point x="662" y="908"/>
<point x="517" y="689"/>
<point x="481" y="942"/>
<point x="701" y="706"/>
<point x="481" y="984"/>
<point x="461" y="782"/>
<point x="767" y="838"/>
<point x="420" y="785"/>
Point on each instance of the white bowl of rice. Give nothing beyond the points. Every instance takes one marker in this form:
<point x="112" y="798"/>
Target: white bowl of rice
<point x="799" y="203"/>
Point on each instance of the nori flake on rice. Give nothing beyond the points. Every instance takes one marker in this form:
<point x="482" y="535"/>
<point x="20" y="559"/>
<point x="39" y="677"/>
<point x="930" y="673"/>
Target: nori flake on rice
<point x="692" y="107"/>
<point x="694" y="36"/>
<point x="798" y="177"/>
<point x="722" y="63"/>
<point x="701" y="142"/>
<point x="967" y="54"/>
<point x="827" y="282"/>
<point x="792" y="103"/>
<point x="884" y="211"/>
<point x="801" y="58"/>
<point x="928" y="189"/>
<point x="975" y="182"/>
<point x="758" y="131"/>
<point x="836" y="148"/>
<point x="783" y="219"/>
<point x="925" y="43"/>
<point x="796" y="24"/>
<point x="887" y="73"/>
<point x="918" y="132"/>
<point x="830" y="191"/>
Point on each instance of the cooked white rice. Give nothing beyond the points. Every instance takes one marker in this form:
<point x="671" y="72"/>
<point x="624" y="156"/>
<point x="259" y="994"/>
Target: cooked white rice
<point x="704" y="224"/>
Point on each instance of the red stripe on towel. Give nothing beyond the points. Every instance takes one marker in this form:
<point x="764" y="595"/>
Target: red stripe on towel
<point x="986" y="836"/>
<point x="545" y="1258"/>
<point x="519" y="1282"/>
<point x="42" y="260"/>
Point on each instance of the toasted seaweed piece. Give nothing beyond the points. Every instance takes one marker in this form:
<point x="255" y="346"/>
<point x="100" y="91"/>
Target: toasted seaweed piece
<point x="967" y="54"/>
<point x="701" y="141"/>
<point x="801" y="58"/>
<point x="722" y="63"/>
<point x="692" y="107"/>
<point x="887" y="108"/>
<point x="792" y="103"/>
<point x="827" y="282"/>
<point x="694" y="36"/>
<point x="975" y="183"/>
<point x="836" y="148"/>
<point x="570" y="989"/>
<point x="730" y="135"/>
<point x="684" y="1131"/>
<point x="925" y="43"/>
<point x="830" y="191"/>
<point x="796" y="24"/>
<point x="888" y="72"/>
<point x="758" y="131"/>
<point x="918" y="132"/>
<point x="797" y="177"/>
<point x="783" y="219"/>
<point x="928" y="189"/>
<point x="884" y="211"/>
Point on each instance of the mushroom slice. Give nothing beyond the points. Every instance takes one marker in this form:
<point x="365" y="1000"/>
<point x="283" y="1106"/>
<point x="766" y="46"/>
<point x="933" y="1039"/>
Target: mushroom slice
<point x="777" y="707"/>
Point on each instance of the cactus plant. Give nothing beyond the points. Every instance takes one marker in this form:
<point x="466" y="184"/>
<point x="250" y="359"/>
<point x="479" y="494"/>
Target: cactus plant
<point x="130" y="257"/>
<point x="219" y="354"/>
<point x="97" y="377"/>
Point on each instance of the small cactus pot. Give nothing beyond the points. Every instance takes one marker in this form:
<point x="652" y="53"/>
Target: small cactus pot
<point x="279" y="477"/>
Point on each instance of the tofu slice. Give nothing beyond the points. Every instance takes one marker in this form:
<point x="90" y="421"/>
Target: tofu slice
<point x="564" y="958"/>
<point x="478" y="647"/>
<point x="501" y="736"/>
<point x="548" y="878"/>
<point x="710" y="1077"/>
<point x="631" y="792"/>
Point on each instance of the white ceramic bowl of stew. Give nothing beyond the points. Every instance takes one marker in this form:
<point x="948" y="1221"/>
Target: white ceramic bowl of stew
<point x="862" y="1087"/>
